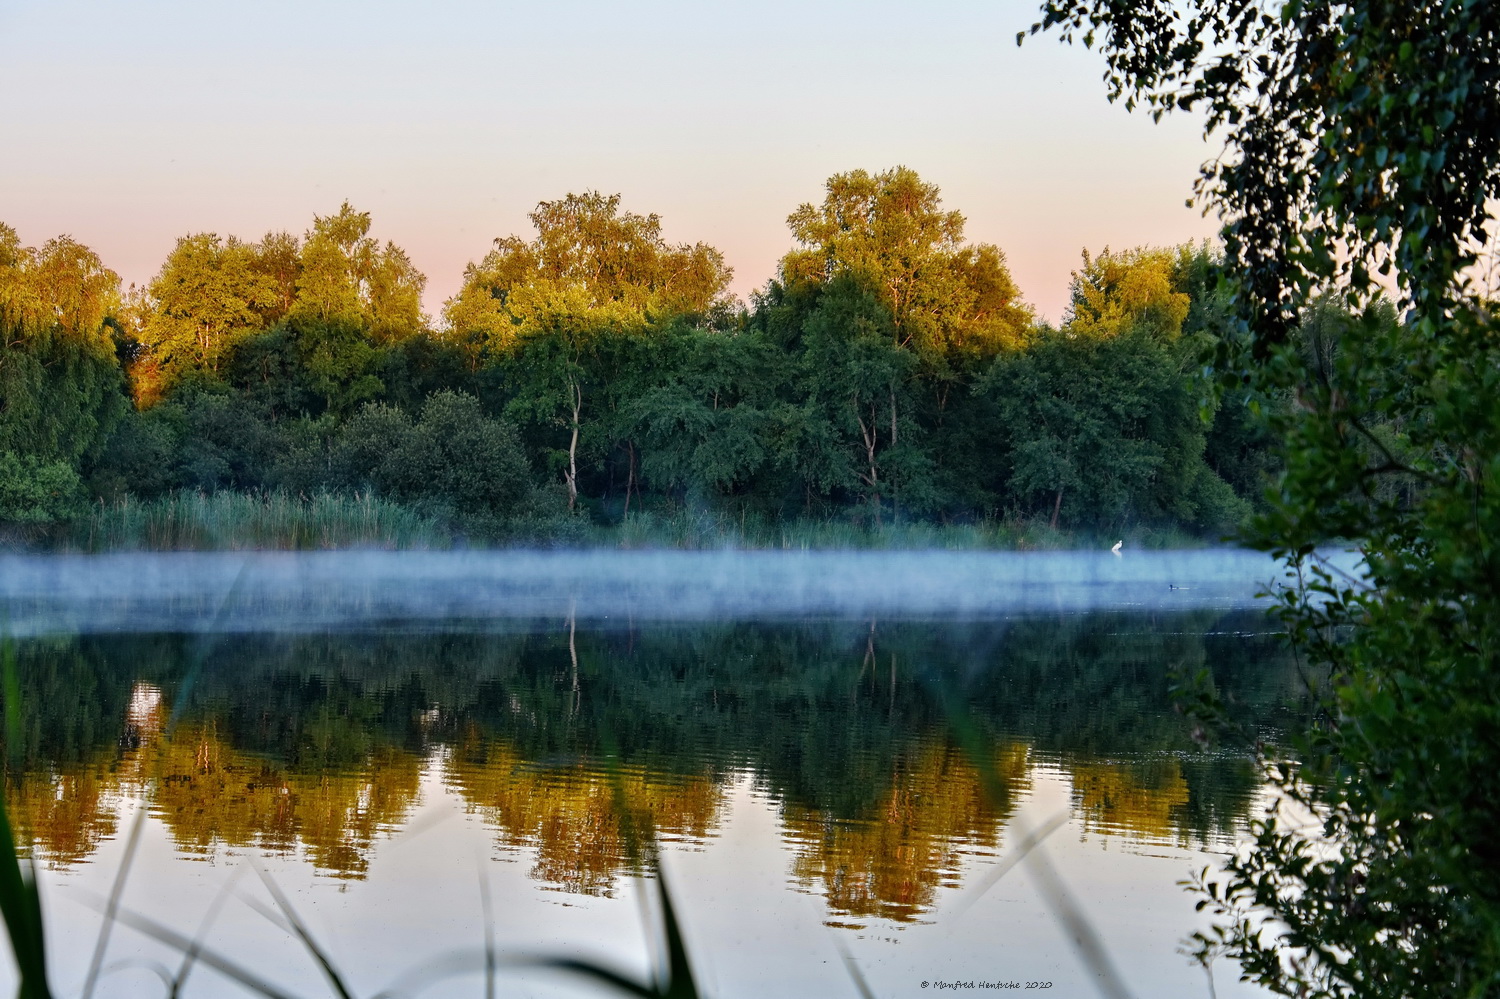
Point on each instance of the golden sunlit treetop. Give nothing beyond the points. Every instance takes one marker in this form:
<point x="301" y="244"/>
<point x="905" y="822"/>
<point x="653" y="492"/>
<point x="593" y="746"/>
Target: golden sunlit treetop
<point x="589" y="258"/>
<point x="1117" y="291"/>
<point x="63" y="286"/>
<point x="888" y="232"/>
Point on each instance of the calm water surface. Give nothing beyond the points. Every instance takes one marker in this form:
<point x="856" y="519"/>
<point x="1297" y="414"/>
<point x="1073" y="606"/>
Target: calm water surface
<point x="835" y="753"/>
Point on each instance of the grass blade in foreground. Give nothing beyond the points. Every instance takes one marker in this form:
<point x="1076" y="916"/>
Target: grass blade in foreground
<point x="184" y="691"/>
<point x="20" y="902"/>
<point x="1080" y="931"/>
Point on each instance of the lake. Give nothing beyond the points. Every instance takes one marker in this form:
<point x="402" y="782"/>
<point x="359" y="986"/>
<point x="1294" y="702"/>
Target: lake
<point x="838" y="758"/>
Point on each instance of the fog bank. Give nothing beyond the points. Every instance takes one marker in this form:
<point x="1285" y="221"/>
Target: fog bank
<point x="303" y="591"/>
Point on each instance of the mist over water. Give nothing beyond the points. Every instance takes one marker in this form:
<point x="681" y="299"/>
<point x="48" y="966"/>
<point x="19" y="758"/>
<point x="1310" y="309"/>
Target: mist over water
<point x="296" y="591"/>
<point x="383" y="727"/>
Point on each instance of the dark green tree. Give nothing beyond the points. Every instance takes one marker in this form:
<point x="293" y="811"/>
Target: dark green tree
<point x="696" y="411"/>
<point x="859" y="380"/>
<point x="1363" y="155"/>
<point x="453" y="457"/>
<point x="553" y="308"/>
<point x="1104" y="412"/>
<point x="61" y="386"/>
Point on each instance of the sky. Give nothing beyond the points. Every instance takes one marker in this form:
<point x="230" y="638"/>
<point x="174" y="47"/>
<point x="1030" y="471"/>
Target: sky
<point x="129" y="125"/>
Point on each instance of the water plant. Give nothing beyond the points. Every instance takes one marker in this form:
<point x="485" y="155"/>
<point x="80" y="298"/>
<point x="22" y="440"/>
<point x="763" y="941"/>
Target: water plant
<point x="196" y="521"/>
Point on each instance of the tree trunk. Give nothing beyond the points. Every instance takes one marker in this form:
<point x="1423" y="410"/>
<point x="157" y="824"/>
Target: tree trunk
<point x="1056" y="506"/>
<point x="572" y="473"/>
<point x="630" y="479"/>
<point x="895" y="490"/>
<point x="870" y="433"/>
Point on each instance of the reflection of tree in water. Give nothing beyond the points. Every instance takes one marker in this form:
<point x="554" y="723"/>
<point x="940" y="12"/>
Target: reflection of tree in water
<point x="890" y="863"/>
<point x="64" y="811"/>
<point x="1161" y="799"/>
<point x="211" y="795"/>
<point x="569" y="813"/>
<point x="1126" y="799"/>
<point x="319" y="739"/>
<point x="62" y="816"/>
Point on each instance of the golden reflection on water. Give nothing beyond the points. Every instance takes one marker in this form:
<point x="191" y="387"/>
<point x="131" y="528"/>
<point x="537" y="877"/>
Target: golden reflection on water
<point x="887" y="864"/>
<point x="569" y="813"/>
<point x="65" y="814"/>
<point x="1124" y="799"/>
<point x="890" y="863"/>
<point x="932" y="808"/>
<point x="210" y="795"/>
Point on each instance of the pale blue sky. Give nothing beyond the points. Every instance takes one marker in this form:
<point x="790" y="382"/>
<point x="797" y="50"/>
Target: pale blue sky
<point x="127" y="125"/>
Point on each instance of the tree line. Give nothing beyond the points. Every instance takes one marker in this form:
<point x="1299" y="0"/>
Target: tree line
<point x="889" y="371"/>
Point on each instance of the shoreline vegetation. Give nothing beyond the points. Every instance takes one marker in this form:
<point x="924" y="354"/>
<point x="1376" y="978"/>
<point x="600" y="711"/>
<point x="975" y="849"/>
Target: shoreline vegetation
<point x="597" y="385"/>
<point x="279" y="521"/>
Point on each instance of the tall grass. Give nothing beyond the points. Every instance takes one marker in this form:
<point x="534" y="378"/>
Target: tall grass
<point x="711" y="529"/>
<point x="193" y="521"/>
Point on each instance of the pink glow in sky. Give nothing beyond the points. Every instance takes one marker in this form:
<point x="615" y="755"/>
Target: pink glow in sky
<point x="129" y="125"/>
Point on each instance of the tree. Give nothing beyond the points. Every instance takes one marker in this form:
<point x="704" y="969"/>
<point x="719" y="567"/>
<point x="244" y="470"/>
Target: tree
<point x="859" y="379"/>
<point x="952" y="304"/>
<point x="555" y="364"/>
<point x="345" y="276"/>
<point x="209" y="295"/>
<point x="36" y="493"/>
<point x="1109" y="423"/>
<point x="694" y="401"/>
<point x="1118" y="291"/>
<point x="60" y="378"/>
<point x="546" y="306"/>
<point x="1362" y="146"/>
<point x="886" y="316"/>
<point x="453" y="454"/>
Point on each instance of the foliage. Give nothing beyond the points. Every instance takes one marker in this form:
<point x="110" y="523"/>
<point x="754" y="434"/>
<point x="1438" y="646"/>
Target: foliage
<point x="141" y="454"/>
<point x="347" y="278"/>
<point x="949" y="302"/>
<point x="453" y="456"/>
<point x="1104" y="411"/>
<point x="858" y="381"/>
<point x="36" y="493"/>
<point x="1106" y="423"/>
<point x="210" y="294"/>
<point x="1116" y="292"/>
<point x="698" y="410"/>
<point x="584" y="242"/>
<point x="1361" y="149"/>
<point x="549" y="307"/>
<point x="877" y="380"/>
<point x="59" y="374"/>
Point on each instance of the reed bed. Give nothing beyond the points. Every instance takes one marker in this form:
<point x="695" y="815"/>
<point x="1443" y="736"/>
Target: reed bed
<point x="193" y="521"/>
<point x="708" y="529"/>
<point x="277" y="520"/>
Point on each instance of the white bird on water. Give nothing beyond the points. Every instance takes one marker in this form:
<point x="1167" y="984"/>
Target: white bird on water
<point x="1117" y="546"/>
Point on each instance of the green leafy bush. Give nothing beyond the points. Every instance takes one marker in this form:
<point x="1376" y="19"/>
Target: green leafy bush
<point x="452" y="456"/>
<point x="37" y="493"/>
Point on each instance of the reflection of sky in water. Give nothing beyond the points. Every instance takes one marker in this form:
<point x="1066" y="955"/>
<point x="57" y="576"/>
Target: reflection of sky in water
<point x="419" y="900"/>
<point x="803" y="778"/>
<point x="395" y="886"/>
